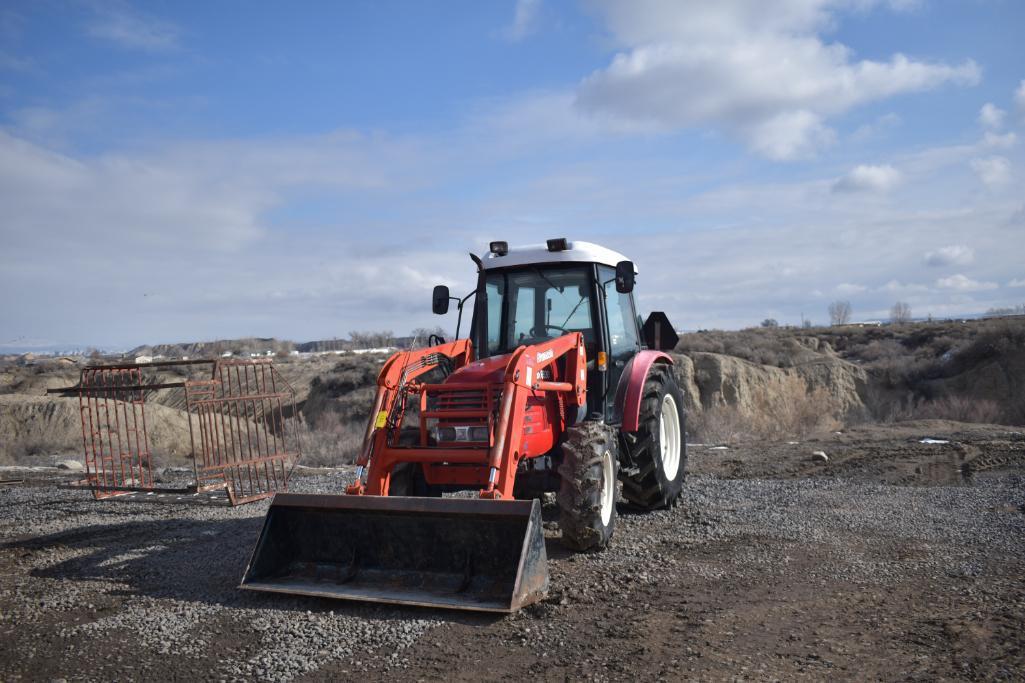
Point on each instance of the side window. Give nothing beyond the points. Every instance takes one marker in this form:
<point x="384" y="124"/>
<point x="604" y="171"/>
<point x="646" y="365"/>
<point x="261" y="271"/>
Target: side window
<point x="494" y="316"/>
<point x="522" y="312"/>
<point x="622" y="321"/>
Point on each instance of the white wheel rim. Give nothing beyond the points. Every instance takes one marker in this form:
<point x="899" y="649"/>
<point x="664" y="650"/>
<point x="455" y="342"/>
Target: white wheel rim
<point x="608" y="488"/>
<point x="669" y="437"/>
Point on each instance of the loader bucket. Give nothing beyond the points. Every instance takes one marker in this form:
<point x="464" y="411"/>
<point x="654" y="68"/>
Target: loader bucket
<point x="457" y="553"/>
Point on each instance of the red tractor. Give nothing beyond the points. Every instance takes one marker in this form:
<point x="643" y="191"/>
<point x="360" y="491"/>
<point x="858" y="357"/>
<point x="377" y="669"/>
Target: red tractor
<point x="557" y="389"/>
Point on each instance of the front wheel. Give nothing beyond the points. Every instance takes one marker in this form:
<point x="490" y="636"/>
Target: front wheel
<point x="659" y="446"/>
<point x="407" y="478"/>
<point x="587" y="491"/>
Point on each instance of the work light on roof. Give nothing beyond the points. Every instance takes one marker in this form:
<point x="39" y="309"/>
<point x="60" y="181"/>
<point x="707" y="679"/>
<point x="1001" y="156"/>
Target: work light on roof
<point x="499" y="248"/>
<point x="558" y="244"/>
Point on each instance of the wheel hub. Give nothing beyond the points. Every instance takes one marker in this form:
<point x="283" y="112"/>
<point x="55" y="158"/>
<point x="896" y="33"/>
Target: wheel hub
<point x="608" y="487"/>
<point x="669" y="437"/>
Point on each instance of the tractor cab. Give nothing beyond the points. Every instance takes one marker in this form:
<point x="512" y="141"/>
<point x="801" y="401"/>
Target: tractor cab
<point x="532" y="294"/>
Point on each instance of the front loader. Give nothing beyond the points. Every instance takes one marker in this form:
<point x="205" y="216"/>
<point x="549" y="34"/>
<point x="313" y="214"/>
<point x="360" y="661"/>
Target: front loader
<point x="552" y="391"/>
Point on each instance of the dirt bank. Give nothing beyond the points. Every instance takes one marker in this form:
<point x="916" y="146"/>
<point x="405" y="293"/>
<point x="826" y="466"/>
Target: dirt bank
<point x="49" y="427"/>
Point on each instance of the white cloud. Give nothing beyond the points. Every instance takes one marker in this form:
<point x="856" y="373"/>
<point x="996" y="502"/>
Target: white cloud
<point x="848" y="288"/>
<point x="876" y="128"/>
<point x="760" y="71"/>
<point x="120" y="24"/>
<point x="993" y="171"/>
<point x="999" y="141"/>
<point x="1019" y="100"/>
<point x="868" y="178"/>
<point x="991" y="116"/>
<point x="898" y="287"/>
<point x="210" y="195"/>
<point x="954" y="255"/>
<point x="524" y="20"/>
<point x="962" y="283"/>
<point x="208" y="228"/>
<point x="789" y="135"/>
<point x="1017" y="283"/>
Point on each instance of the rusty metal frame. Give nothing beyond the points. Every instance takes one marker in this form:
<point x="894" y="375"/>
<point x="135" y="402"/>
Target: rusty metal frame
<point x="244" y="418"/>
<point x="248" y="437"/>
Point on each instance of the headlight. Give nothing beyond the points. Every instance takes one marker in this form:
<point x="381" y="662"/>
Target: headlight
<point x="468" y="433"/>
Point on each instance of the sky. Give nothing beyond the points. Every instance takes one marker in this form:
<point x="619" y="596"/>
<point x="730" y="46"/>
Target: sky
<point x="178" y="171"/>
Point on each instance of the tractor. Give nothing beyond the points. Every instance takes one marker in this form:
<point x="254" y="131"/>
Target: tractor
<point x="558" y="388"/>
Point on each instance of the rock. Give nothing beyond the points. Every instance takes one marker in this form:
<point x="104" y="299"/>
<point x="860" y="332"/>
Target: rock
<point x="70" y="465"/>
<point x="819" y="456"/>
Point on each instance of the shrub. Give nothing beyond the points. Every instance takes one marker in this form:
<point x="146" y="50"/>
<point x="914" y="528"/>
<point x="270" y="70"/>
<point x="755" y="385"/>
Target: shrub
<point x="719" y="425"/>
<point x="335" y="441"/>
<point x="348" y="390"/>
<point x="24" y="449"/>
<point x="956" y="408"/>
<point x="790" y="412"/>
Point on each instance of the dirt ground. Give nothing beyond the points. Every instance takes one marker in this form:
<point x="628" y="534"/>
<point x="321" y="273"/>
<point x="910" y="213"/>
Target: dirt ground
<point x="892" y="559"/>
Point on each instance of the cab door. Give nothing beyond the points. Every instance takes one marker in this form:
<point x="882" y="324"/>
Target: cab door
<point x="622" y="336"/>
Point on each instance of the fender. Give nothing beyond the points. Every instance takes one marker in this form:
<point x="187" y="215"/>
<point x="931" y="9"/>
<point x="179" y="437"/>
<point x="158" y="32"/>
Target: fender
<point x="631" y="386"/>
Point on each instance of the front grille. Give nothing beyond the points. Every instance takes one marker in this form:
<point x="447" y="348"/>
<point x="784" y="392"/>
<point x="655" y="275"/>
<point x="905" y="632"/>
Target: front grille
<point x="468" y="406"/>
<point x="459" y="400"/>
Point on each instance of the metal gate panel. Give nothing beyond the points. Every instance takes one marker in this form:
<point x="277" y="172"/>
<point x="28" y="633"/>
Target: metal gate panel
<point x="114" y="437"/>
<point x="248" y="432"/>
<point x="243" y="417"/>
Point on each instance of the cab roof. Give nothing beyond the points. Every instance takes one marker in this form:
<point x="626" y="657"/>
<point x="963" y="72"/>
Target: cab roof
<point x="576" y="251"/>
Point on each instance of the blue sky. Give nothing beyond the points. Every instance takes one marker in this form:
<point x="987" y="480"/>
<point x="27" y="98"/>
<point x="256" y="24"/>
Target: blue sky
<point x="182" y="170"/>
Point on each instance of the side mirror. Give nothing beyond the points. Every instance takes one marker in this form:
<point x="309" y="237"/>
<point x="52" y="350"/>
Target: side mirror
<point x="439" y="301"/>
<point x="625" y="277"/>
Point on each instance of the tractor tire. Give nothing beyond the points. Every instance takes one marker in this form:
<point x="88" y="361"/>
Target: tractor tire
<point x="659" y="446"/>
<point x="407" y="478"/>
<point x="588" y="489"/>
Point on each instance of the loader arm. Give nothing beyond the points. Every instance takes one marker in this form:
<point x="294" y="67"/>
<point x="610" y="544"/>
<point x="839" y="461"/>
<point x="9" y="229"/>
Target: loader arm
<point x="530" y="372"/>
<point x="400" y="369"/>
<point x="523" y="378"/>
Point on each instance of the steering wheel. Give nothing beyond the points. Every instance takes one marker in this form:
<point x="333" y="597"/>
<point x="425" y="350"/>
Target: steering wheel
<point x="548" y="326"/>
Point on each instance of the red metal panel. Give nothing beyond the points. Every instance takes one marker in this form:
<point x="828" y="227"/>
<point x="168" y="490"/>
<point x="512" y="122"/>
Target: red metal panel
<point x="631" y="386"/>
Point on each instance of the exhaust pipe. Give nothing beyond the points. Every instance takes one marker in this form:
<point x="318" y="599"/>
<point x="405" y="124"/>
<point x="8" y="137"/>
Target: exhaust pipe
<point x="456" y="553"/>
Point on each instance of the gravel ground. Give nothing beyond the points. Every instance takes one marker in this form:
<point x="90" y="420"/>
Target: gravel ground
<point x="773" y="566"/>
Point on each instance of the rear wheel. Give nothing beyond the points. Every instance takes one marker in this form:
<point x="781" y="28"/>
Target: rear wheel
<point x="587" y="492"/>
<point x="659" y="446"/>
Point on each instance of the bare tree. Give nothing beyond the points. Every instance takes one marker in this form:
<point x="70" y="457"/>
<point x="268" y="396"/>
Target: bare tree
<point x="901" y="312"/>
<point x="364" y="340"/>
<point x="423" y="335"/>
<point x="839" y="312"/>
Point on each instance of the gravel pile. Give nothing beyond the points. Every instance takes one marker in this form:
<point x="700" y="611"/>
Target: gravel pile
<point x="734" y="530"/>
<point x="81" y="579"/>
<point x="865" y="529"/>
<point x="164" y="578"/>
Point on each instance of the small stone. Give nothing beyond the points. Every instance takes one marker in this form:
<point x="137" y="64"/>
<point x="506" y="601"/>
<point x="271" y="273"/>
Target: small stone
<point x="71" y="465"/>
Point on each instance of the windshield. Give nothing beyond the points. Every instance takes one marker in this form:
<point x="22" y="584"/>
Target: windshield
<point x="537" y="304"/>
